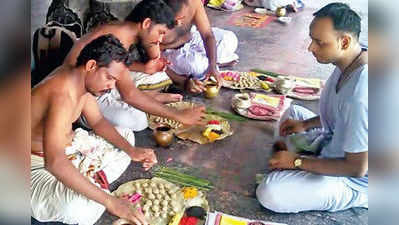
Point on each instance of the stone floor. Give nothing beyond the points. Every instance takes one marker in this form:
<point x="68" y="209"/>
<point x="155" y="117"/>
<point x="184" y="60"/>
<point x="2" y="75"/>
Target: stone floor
<point x="231" y="164"/>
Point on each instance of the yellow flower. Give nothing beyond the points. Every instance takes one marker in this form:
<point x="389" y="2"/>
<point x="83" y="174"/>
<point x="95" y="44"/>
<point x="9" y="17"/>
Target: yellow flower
<point x="190" y="192"/>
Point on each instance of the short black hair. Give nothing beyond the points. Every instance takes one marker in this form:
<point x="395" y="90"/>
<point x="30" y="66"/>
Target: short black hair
<point x="156" y="10"/>
<point x="343" y="17"/>
<point x="175" y="5"/>
<point x="104" y="50"/>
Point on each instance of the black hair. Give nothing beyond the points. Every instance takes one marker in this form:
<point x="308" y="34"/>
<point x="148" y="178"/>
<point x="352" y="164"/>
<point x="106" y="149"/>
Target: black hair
<point x="156" y="10"/>
<point x="343" y="17"/>
<point x="104" y="50"/>
<point x="176" y="5"/>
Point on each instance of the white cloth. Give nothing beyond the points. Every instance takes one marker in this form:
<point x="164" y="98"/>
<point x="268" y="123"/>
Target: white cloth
<point x="312" y="140"/>
<point x="292" y="191"/>
<point x="118" y="112"/>
<point x="274" y="4"/>
<point x="51" y="200"/>
<point x="270" y="4"/>
<point x="191" y="59"/>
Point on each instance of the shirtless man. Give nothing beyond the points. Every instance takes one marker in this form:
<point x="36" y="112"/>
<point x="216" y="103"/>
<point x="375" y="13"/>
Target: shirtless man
<point x="196" y="51"/>
<point x="146" y="24"/>
<point x="56" y="103"/>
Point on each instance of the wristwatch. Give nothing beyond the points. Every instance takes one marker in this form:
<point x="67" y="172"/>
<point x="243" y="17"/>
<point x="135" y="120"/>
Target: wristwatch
<point x="298" y="162"/>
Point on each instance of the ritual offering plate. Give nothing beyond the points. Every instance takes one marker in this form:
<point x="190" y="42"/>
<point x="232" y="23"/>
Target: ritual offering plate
<point x="156" y="121"/>
<point x="300" y="88"/>
<point x="161" y="202"/>
<point x="240" y="80"/>
<point x="216" y="128"/>
<point x="260" y="106"/>
<point x="292" y="86"/>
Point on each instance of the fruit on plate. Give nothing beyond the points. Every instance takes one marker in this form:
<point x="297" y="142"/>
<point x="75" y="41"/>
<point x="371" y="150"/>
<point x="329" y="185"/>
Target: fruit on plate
<point x="213" y="130"/>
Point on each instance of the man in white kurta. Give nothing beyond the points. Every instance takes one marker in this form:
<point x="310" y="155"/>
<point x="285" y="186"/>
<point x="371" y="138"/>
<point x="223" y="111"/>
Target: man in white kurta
<point x="336" y="179"/>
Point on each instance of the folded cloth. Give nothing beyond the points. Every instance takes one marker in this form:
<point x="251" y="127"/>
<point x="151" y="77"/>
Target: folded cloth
<point x="97" y="160"/>
<point x="191" y="59"/>
<point x="145" y="81"/>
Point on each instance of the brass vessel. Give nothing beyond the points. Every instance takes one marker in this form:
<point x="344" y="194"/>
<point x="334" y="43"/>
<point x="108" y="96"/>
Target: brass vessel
<point x="212" y="90"/>
<point x="163" y="136"/>
<point x="281" y="11"/>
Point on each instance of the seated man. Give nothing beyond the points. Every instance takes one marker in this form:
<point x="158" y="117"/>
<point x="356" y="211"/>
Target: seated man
<point x="125" y="105"/>
<point x="59" y="191"/>
<point x="337" y="179"/>
<point x="196" y="51"/>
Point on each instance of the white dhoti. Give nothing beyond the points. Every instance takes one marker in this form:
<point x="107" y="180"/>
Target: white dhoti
<point x="191" y="59"/>
<point x="292" y="191"/>
<point x="51" y="200"/>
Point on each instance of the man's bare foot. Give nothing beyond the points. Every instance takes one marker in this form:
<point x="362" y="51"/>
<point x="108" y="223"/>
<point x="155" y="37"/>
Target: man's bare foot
<point x="292" y="8"/>
<point x="232" y="63"/>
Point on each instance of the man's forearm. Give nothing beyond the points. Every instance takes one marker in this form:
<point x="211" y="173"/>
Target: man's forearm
<point x="65" y="172"/>
<point x="210" y="48"/>
<point x="149" y="105"/>
<point x="312" y="123"/>
<point x="137" y="67"/>
<point x="332" y="167"/>
<point x="178" y="80"/>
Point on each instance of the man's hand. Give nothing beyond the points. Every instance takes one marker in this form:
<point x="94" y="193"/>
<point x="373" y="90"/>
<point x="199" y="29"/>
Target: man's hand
<point x="283" y="160"/>
<point x="145" y="156"/>
<point x="158" y="64"/>
<point x="165" y="98"/>
<point x="213" y="72"/>
<point x="290" y="126"/>
<point x="193" y="116"/>
<point x="195" y="86"/>
<point x="125" y="210"/>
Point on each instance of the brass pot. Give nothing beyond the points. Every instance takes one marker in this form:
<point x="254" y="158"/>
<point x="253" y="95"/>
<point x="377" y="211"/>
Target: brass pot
<point x="212" y="90"/>
<point x="281" y="11"/>
<point x="163" y="136"/>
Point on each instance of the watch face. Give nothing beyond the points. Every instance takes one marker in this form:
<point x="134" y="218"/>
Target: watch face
<point x="297" y="162"/>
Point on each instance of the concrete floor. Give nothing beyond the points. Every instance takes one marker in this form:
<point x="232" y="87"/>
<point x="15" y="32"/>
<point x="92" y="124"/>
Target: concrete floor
<point x="231" y="164"/>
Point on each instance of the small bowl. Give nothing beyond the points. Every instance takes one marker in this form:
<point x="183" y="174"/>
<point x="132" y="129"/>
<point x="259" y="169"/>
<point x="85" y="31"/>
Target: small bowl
<point x="163" y="135"/>
<point x="281" y="11"/>
<point x="242" y="101"/>
<point x="212" y="90"/>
